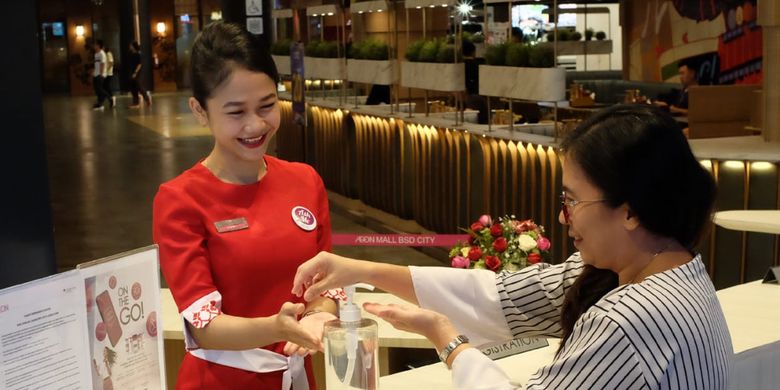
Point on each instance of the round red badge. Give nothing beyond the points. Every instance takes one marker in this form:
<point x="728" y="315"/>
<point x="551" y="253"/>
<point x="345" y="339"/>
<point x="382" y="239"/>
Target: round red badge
<point x="304" y="218"/>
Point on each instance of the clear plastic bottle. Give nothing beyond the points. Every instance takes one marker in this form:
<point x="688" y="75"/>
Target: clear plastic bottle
<point x="351" y="349"/>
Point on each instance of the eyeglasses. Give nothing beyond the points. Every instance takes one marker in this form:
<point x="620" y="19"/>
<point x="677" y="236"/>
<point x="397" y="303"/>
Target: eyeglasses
<point x="566" y="204"/>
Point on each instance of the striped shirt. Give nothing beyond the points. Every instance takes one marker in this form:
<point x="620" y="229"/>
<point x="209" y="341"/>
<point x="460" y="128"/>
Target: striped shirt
<point x="667" y="332"/>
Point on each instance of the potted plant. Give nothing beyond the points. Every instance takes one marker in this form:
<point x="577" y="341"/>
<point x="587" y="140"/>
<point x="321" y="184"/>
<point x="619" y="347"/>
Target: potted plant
<point x="435" y="65"/>
<point x="574" y="46"/>
<point x="589" y="34"/>
<point x="322" y="61"/>
<point x="522" y="71"/>
<point x="280" y="52"/>
<point x="369" y="63"/>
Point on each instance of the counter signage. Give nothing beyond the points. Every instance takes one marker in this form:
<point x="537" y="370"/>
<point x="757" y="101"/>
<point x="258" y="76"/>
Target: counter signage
<point x="513" y="347"/>
<point x="92" y="327"/>
<point x="122" y="318"/>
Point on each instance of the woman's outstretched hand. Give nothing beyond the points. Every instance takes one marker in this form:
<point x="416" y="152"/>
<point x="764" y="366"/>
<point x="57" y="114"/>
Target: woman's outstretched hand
<point x="432" y="325"/>
<point x="324" y="272"/>
<point x="295" y="332"/>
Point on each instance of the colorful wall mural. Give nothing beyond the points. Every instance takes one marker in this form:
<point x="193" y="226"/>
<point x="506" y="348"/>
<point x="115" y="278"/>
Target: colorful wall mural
<point x="721" y="39"/>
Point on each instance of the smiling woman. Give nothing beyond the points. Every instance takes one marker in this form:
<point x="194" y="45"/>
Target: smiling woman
<point x="220" y="224"/>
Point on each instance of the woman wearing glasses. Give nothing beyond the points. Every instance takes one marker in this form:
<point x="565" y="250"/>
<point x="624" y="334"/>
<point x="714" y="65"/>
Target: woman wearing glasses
<point x="635" y="307"/>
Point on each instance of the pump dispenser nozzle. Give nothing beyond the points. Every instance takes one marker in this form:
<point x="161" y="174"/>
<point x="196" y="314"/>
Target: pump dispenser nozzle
<point x="349" y="311"/>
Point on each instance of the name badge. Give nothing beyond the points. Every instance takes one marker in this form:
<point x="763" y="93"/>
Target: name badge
<point x="231" y="225"/>
<point x="304" y="218"/>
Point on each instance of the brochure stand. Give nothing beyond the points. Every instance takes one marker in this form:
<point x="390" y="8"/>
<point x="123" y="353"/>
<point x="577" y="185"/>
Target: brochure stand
<point x="92" y="327"/>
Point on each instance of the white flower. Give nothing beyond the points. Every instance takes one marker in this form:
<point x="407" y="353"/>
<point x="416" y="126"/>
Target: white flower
<point x="465" y="251"/>
<point x="527" y="243"/>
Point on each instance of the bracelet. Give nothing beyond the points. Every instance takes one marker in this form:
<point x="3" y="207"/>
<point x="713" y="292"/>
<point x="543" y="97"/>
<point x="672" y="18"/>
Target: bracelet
<point x="308" y="313"/>
<point x="455" y="343"/>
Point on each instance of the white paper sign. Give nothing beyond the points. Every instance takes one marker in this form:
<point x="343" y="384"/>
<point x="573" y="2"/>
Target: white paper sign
<point x="43" y="334"/>
<point x="254" y="8"/>
<point x="123" y="318"/>
<point x="254" y="25"/>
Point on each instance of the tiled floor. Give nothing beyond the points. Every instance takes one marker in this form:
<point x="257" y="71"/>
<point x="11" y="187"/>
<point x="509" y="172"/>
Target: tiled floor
<point x="105" y="167"/>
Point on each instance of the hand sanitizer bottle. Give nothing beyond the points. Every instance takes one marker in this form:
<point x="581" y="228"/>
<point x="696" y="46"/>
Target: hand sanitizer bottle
<point x="351" y="348"/>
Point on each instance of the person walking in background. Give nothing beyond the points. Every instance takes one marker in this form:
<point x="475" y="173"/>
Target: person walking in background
<point x="135" y="77"/>
<point x="109" y="77"/>
<point x="99" y="75"/>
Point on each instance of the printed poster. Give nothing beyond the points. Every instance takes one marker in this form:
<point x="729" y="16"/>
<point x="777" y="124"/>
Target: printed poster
<point x="122" y="321"/>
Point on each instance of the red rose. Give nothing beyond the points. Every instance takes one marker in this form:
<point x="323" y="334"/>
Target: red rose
<point x="476" y="227"/>
<point x="474" y="253"/>
<point x="496" y="230"/>
<point x="534" y="258"/>
<point x="472" y="239"/>
<point x="493" y="263"/>
<point x="500" y="244"/>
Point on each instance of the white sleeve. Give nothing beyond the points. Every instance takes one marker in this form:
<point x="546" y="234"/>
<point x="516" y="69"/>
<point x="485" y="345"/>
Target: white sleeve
<point x="469" y="298"/>
<point x="471" y="370"/>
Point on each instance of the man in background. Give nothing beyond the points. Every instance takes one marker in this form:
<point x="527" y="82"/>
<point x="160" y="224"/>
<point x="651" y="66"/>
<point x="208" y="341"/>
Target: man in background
<point x="136" y="88"/>
<point x="99" y="75"/>
<point x="109" y="77"/>
<point x="687" y="79"/>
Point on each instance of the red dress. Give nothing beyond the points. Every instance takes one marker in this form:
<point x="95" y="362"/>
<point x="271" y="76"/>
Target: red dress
<point x="244" y="271"/>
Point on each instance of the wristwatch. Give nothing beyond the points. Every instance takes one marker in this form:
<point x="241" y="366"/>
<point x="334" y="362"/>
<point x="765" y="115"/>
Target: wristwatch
<point x="457" y="341"/>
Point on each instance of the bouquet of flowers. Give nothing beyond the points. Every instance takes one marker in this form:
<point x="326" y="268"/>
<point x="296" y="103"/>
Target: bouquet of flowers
<point x="507" y="244"/>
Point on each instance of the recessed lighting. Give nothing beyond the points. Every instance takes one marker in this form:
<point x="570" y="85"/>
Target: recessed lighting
<point x="762" y="166"/>
<point x="734" y="164"/>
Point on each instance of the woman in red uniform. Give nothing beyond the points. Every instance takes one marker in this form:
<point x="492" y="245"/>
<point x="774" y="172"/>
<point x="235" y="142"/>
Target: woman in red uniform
<point x="233" y="229"/>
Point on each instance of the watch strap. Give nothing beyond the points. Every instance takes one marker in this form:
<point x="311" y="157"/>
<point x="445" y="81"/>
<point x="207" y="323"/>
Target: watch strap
<point x="455" y="343"/>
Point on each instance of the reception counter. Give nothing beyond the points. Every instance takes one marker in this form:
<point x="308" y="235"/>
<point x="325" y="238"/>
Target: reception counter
<point x="442" y="176"/>
<point x="751" y="311"/>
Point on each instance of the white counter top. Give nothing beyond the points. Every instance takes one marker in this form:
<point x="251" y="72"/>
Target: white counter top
<point x="762" y="221"/>
<point x="750" y="148"/>
<point x="752" y="313"/>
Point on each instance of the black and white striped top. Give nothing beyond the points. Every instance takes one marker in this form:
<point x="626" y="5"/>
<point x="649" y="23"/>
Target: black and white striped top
<point x="667" y="332"/>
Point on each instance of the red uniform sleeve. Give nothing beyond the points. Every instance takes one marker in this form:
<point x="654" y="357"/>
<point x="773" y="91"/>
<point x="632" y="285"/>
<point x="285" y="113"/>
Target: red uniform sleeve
<point x="178" y="230"/>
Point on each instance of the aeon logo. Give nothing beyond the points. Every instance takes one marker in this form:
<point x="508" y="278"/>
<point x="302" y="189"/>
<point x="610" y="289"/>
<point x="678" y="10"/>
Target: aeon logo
<point x="304" y="218"/>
